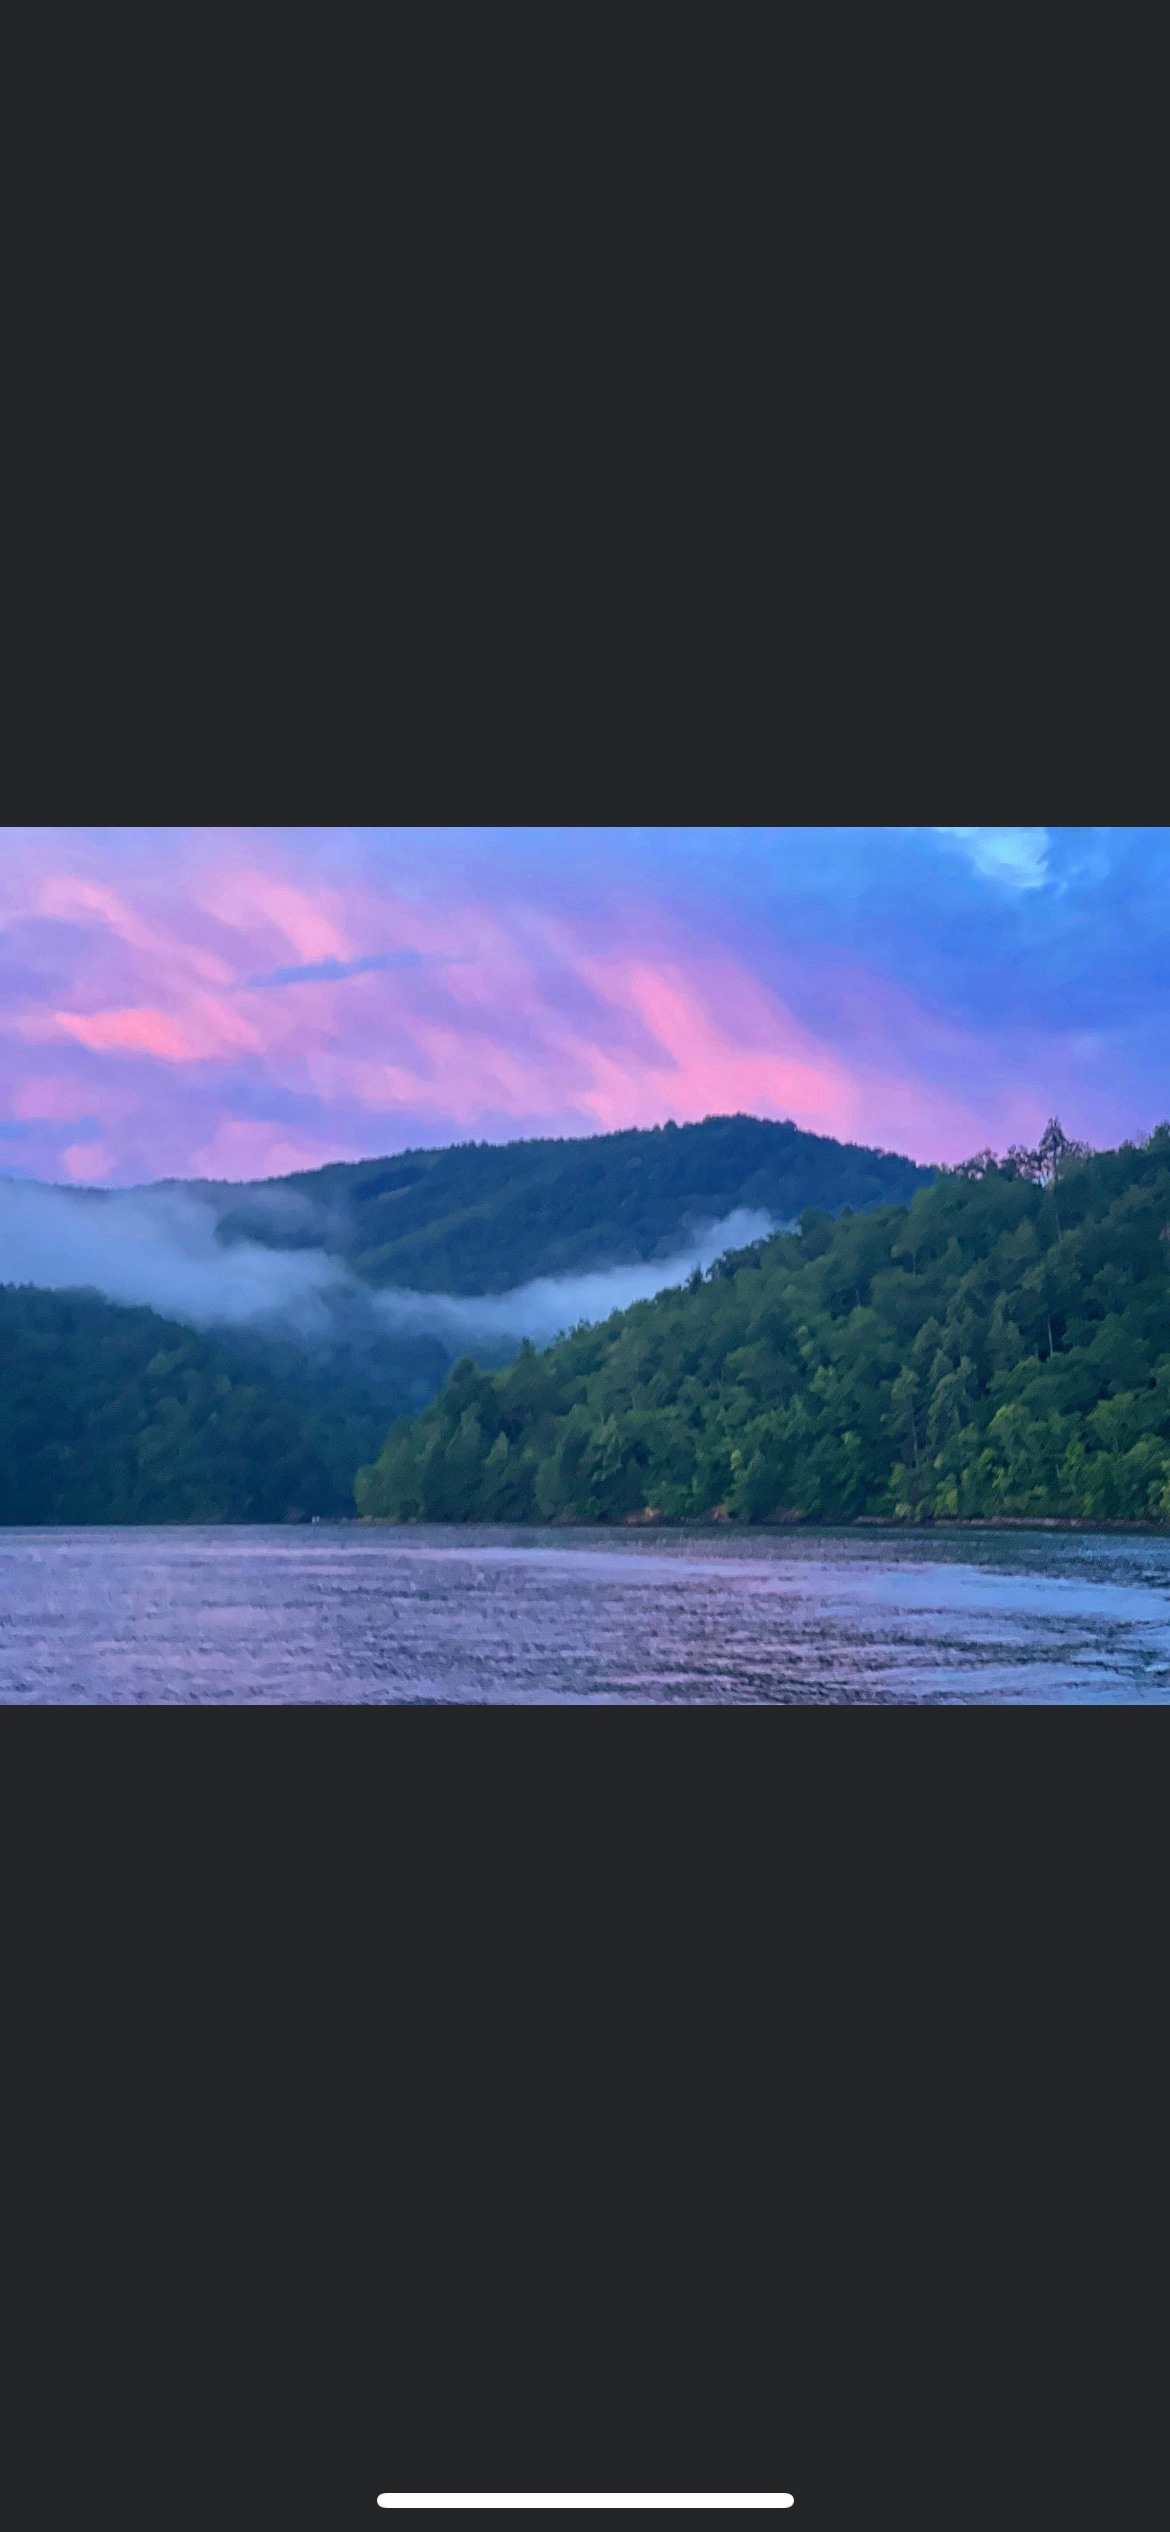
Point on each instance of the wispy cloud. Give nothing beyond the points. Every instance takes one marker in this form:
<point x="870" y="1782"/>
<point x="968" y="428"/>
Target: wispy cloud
<point x="1017" y="855"/>
<point x="328" y="971"/>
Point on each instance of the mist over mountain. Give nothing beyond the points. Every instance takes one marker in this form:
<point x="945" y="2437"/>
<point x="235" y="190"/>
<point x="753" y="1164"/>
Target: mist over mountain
<point x="163" y="1247"/>
<point x="341" y="1298"/>
<point x="482" y="1218"/>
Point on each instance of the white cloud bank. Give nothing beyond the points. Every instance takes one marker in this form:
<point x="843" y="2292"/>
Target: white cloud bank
<point x="159" y="1246"/>
<point x="544" y="1308"/>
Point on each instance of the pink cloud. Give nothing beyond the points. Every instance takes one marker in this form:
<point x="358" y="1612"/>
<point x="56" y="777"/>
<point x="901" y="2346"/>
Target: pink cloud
<point x="728" y="1042"/>
<point x="251" y="1148"/>
<point x="459" y="1074"/>
<point x="763" y="1062"/>
<point x="86" y="1163"/>
<point x="70" y="898"/>
<point x="207" y="1028"/>
<point x="256" y="901"/>
<point x="47" y="1099"/>
<point x="132" y="1032"/>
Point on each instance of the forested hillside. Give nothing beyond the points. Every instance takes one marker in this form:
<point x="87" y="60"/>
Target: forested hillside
<point x="1000" y="1348"/>
<point x="110" y="1413"/>
<point x="115" y="1412"/>
<point x="484" y="1217"/>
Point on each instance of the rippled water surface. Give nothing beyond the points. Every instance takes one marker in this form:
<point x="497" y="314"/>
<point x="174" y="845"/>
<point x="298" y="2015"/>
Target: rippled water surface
<point x="351" y="1615"/>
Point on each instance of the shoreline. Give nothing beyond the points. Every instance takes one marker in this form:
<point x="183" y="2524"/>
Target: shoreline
<point x="702" y="1523"/>
<point x="700" y="1528"/>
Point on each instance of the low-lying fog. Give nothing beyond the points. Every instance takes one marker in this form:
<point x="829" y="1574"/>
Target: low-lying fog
<point x="161" y="1245"/>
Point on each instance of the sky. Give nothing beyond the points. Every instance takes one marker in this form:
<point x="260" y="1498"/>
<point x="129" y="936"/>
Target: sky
<point x="242" y="1002"/>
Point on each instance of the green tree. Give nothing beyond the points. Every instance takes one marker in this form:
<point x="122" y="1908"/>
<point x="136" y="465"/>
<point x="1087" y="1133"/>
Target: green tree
<point x="982" y="1355"/>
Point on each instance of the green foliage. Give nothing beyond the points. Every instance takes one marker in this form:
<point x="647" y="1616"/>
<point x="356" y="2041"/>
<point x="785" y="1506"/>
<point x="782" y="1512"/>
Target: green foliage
<point x="483" y="1217"/>
<point x="1001" y="1348"/>
<point x="114" y="1414"/>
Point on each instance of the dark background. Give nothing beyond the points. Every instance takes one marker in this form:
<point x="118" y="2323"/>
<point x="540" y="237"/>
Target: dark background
<point x="469" y="2103"/>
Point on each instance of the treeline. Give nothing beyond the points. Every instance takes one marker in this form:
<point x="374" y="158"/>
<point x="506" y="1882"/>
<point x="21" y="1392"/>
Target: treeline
<point x="115" y="1414"/>
<point x="1000" y="1348"/>
<point x="484" y="1217"/>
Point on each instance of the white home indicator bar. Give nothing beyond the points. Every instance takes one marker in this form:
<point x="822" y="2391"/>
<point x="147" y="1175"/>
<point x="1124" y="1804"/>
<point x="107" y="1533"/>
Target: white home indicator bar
<point x="586" y="2501"/>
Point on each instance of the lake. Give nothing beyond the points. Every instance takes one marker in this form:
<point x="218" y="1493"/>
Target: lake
<point x="349" y="1615"/>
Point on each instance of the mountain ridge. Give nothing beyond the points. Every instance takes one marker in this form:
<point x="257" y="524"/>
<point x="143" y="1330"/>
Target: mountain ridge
<point x="486" y="1217"/>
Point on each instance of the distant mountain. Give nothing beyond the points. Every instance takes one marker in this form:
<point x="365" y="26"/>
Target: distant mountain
<point x="485" y="1217"/>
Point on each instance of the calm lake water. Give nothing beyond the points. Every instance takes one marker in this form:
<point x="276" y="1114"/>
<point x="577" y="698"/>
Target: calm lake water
<point x="353" y="1616"/>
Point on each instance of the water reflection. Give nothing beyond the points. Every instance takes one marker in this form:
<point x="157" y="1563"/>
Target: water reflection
<point x="350" y="1615"/>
